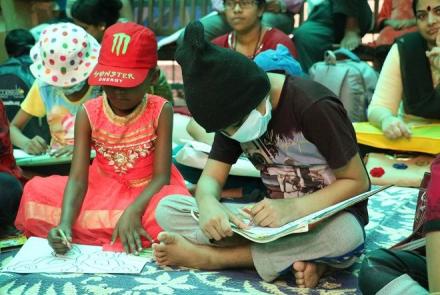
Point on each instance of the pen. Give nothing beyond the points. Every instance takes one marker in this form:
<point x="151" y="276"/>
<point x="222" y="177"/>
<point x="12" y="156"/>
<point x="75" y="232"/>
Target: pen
<point x="63" y="236"/>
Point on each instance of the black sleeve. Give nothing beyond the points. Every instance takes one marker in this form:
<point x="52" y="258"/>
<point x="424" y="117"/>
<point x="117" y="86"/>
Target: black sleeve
<point x="224" y="149"/>
<point x="325" y="123"/>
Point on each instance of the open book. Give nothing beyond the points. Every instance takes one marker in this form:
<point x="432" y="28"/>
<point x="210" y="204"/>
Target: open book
<point x="261" y="234"/>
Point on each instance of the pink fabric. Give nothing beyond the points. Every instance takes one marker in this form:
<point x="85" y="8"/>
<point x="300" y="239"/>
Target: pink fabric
<point x="433" y="194"/>
<point x="394" y="9"/>
<point x="121" y="170"/>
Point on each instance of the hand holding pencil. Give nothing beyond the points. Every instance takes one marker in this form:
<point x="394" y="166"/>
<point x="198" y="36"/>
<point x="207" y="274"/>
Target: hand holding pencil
<point x="60" y="239"/>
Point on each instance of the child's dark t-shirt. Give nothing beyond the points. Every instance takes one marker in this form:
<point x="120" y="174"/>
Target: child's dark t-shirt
<point x="308" y="137"/>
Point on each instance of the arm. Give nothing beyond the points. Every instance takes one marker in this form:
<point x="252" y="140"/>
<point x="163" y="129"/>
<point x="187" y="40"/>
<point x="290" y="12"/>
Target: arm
<point x="129" y="227"/>
<point x="214" y="219"/>
<point x="351" y="180"/>
<point x="433" y="260"/>
<point x="77" y="183"/>
<point x="384" y="106"/>
<point x="32" y="106"/>
<point x="34" y="146"/>
<point x="352" y="36"/>
<point x="199" y="133"/>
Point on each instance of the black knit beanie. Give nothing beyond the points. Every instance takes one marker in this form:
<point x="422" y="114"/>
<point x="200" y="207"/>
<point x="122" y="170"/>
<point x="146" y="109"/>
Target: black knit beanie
<point x="221" y="86"/>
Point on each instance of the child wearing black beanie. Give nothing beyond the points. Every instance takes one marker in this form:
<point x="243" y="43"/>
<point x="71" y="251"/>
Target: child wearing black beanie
<point x="297" y="133"/>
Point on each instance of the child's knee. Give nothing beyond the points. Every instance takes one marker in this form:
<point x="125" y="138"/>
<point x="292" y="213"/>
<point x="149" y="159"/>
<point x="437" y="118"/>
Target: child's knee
<point x="169" y="208"/>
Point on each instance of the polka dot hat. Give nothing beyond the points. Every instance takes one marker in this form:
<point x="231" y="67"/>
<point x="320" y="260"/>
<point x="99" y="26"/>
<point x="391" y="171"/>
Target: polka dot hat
<point x="64" y="55"/>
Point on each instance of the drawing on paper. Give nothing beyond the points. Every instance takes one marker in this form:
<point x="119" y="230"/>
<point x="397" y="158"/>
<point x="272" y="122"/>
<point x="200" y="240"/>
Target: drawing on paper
<point x="79" y="259"/>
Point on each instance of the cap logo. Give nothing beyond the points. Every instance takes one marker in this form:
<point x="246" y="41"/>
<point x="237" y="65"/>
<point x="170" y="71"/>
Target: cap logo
<point x="119" y="40"/>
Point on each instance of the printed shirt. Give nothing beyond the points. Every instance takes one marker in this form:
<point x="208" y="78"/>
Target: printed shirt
<point x="308" y="137"/>
<point x="46" y="100"/>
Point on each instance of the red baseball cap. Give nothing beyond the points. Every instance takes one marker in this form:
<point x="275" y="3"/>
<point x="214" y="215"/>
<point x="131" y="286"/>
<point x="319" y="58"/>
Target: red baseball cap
<point x="128" y="52"/>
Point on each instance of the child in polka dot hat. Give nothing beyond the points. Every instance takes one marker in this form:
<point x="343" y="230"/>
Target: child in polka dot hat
<point x="63" y="59"/>
<point x="64" y="55"/>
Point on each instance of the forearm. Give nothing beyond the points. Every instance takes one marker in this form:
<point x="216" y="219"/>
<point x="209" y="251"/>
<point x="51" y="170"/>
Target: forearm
<point x="72" y="201"/>
<point x="199" y="133"/>
<point x="208" y="190"/>
<point x="352" y="25"/>
<point x="17" y="137"/>
<point x="433" y="260"/>
<point x="155" y="185"/>
<point x="338" y="191"/>
<point x="377" y="114"/>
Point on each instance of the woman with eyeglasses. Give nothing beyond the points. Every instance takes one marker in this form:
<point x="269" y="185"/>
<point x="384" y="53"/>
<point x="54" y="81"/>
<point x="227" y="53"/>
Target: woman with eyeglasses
<point x="249" y="36"/>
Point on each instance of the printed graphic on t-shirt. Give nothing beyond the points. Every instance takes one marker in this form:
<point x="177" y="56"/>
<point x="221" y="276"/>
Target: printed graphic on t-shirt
<point x="290" y="166"/>
<point x="61" y="124"/>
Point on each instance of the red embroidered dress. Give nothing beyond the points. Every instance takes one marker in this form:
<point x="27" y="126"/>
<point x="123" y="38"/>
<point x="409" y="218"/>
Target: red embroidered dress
<point x="121" y="170"/>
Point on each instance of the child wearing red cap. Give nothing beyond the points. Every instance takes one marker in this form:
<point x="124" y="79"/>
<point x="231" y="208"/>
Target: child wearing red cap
<point x="112" y="203"/>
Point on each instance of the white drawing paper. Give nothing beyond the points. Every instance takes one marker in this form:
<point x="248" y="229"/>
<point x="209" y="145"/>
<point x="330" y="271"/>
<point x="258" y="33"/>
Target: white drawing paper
<point x="36" y="256"/>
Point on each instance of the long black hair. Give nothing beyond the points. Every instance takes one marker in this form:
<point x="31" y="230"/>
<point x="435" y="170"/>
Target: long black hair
<point x="414" y="6"/>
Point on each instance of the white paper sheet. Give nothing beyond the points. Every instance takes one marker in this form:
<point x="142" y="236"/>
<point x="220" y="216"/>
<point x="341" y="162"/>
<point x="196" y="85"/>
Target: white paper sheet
<point x="36" y="256"/>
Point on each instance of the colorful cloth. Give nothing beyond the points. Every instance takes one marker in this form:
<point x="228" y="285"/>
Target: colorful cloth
<point x="7" y="161"/>
<point x="393" y="9"/>
<point x="44" y="99"/>
<point x="122" y="169"/>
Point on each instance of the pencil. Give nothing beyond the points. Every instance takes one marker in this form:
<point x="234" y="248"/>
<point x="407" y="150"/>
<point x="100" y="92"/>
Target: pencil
<point x="63" y="236"/>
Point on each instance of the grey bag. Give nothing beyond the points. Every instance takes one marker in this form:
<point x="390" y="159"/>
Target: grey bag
<point x="352" y="80"/>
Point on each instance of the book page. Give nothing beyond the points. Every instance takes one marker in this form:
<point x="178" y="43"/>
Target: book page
<point x="36" y="256"/>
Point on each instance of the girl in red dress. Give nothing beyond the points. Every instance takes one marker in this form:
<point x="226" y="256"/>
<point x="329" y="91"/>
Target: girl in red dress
<point x="112" y="202"/>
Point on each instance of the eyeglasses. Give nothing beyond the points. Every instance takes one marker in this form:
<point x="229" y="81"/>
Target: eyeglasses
<point x="244" y="4"/>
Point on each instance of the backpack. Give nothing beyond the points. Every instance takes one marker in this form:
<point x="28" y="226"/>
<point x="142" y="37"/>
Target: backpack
<point x="352" y="80"/>
<point x="15" y="82"/>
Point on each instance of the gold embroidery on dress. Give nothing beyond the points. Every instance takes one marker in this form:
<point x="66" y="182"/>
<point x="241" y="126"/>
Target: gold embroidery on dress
<point x="123" y="120"/>
<point x="124" y="158"/>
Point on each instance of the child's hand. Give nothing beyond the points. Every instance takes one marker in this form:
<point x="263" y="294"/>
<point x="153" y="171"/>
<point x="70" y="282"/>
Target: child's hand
<point x="35" y="146"/>
<point x="129" y="230"/>
<point x="60" y="239"/>
<point x="272" y="213"/>
<point x="214" y="220"/>
<point x="64" y="151"/>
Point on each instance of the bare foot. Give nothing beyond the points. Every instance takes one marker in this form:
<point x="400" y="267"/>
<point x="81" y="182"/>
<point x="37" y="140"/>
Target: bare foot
<point x="175" y="250"/>
<point x="307" y="274"/>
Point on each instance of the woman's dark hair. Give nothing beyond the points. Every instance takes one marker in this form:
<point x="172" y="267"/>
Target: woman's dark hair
<point x="19" y="42"/>
<point x="414" y="6"/>
<point x="96" y="12"/>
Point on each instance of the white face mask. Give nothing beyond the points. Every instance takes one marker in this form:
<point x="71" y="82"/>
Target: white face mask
<point x="74" y="88"/>
<point x="255" y="125"/>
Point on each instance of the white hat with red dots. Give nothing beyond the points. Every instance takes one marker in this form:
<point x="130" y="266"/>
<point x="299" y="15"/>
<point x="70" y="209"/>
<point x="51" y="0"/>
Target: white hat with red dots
<point x="64" y="55"/>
